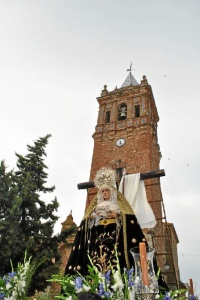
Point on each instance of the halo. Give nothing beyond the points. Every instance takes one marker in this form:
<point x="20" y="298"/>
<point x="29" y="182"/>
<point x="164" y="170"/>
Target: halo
<point x="105" y="177"/>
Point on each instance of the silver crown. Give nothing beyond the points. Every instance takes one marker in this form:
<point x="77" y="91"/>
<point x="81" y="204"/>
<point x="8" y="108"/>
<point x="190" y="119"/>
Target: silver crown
<point x="105" y="177"/>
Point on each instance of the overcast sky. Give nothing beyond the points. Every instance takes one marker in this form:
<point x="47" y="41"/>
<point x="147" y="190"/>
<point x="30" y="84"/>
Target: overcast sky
<point x="56" y="56"/>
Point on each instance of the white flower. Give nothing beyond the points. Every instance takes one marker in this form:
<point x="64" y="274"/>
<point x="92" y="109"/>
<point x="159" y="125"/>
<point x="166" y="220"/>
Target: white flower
<point x="137" y="280"/>
<point x="101" y="279"/>
<point x="21" y="285"/>
<point x="86" y="287"/>
<point x="118" y="282"/>
<point x="132" y="295"/>
<point x="79" y="290"/>
<point x="8" y="285"/>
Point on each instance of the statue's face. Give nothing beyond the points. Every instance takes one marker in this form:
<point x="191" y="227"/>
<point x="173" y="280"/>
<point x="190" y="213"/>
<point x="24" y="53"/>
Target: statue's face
<point x="106" y="193"/>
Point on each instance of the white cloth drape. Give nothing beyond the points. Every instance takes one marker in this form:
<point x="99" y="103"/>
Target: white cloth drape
<point x="134" y="192"/>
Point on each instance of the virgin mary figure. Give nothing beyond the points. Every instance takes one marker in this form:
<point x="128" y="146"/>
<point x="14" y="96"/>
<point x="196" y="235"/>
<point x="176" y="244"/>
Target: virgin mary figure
<point x="108" y="225"/>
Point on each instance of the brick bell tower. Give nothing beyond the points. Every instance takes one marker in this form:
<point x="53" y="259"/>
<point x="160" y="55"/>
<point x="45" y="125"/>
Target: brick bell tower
<point x="126" y="133"/>
<point x="126" y="137"/>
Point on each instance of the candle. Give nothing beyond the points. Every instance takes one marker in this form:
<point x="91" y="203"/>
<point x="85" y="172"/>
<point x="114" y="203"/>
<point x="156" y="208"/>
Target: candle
<point x="191" y="287"/>
<point x="143" y="262"/>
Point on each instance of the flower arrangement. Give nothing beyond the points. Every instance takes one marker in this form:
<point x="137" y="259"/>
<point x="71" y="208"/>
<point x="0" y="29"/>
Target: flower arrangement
<point x="14" y="285"/>
<point x="111" y="285"/>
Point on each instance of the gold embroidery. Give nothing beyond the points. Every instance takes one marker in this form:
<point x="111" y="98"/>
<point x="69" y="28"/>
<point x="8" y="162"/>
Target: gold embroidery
<point x="107" y="221"/>
<point x="125" y="241"/>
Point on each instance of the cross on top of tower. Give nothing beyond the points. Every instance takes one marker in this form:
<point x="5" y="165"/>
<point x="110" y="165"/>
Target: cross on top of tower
<point x="130" y="69"/>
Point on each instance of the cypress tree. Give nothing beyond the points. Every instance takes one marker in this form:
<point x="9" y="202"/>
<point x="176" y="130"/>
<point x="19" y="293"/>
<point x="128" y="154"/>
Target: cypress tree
<point x="10" y="215"/>
<point x="27" y="217"/>
<point x="38" y="215"/>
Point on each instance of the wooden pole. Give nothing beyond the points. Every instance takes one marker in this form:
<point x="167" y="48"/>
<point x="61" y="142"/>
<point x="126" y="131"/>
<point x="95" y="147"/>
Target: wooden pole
<point x="148" y="175"/>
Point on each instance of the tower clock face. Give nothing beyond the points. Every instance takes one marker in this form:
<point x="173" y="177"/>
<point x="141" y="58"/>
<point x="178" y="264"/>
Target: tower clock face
<point x="120" y="142"/>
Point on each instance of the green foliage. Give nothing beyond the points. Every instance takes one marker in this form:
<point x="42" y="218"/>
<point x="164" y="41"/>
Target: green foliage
<point x="27" y="216"/>
<point x="43" y="296"/>
<point x="10" y="214"/>
<point x="66" y="282"/>
<point x="46" y="295"/>
<point x="173" y="295"/>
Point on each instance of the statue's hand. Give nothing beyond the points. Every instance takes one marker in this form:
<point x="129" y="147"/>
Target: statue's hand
<point x="111" y="214"/>
<point x="92" y="216"/>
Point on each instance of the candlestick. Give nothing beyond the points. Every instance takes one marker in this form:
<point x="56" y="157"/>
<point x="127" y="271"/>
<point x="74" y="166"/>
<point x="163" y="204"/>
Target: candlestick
<point x="143" y="262"/>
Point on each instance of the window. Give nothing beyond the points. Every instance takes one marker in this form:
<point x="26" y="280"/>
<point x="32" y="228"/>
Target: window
<point x="137" y="111"/>
<point x="107" y="120"/>
<point x="122" y="112"/>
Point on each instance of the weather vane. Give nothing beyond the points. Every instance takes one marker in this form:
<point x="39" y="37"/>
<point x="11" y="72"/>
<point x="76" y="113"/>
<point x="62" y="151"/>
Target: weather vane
<point x="130" y="69"/>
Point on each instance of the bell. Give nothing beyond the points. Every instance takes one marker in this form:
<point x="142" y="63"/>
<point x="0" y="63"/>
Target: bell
<point x="123" y="114"/>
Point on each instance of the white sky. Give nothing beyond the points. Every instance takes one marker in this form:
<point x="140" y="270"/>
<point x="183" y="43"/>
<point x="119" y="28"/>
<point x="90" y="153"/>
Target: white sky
<point x="55" y="57"/>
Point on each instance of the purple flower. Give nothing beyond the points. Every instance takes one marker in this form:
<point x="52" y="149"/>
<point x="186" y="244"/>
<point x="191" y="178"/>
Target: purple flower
<point x="167" y="297"/>
<point x="107" y="276"/>
<point x="12" y="274"/>
<point x="6" y="279"/>
<point x="1" y="296"/>
<point x="130" y="276"/>
<point x="130" y="283"/>
<point x="78" y="283"/>
<point x="101" y="289"/>
<point x="102" y="292"/>
<point x="130" y="272"/>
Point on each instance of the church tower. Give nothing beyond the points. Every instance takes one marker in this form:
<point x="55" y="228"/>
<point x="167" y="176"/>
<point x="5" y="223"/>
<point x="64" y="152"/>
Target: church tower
<point x="126" y="132"/>
<point x="125" y="138"/>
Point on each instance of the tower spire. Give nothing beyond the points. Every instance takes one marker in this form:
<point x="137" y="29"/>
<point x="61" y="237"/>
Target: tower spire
<point x="130" y="80"/>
